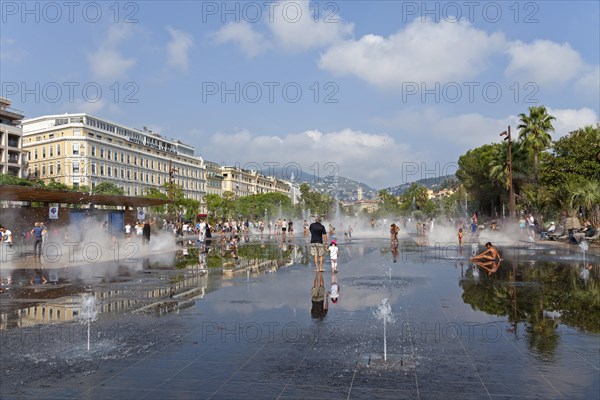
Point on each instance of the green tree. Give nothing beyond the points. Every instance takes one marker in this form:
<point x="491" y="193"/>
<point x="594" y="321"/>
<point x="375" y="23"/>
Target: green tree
<point x="389" y="203"/>
<point x="474" y="173"/>
<point x="317" y="202"/>
<point x="533" y="132"/>
<point x="107" y="188"/>
<point x="9" y="179"/>
<point x="577" y="153"/>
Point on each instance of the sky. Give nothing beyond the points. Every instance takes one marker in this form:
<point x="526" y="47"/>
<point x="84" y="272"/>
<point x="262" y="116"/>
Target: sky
<point x="383" y="92"/>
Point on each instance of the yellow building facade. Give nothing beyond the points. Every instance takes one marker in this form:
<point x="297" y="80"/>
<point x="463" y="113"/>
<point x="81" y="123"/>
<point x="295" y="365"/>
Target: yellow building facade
<point x="79" y="149"/>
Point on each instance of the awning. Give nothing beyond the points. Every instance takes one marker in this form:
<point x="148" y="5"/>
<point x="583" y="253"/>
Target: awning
<point x="30" y="194"/>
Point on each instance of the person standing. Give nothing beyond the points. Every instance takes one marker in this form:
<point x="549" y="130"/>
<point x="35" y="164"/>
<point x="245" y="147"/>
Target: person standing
<point x="283" y="228"/>
<point x="146" y="233"/>
<point x="201" y="231"/>
<point x="7" y="237"/>
<point x="333" y="254"/>
<point x="38" y="233"/>
<point x="318" y="242"/>
<point x="127" y="231"/>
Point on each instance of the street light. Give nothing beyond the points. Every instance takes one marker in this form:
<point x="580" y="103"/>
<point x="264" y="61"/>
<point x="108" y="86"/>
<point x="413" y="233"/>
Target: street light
<point x="511" y="195"/>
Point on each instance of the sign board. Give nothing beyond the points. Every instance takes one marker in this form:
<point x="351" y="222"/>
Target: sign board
<point x="141" y="215"/>
<point x="53" y="211"/>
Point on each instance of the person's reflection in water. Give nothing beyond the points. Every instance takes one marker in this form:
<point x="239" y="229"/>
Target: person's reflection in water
<point x="490" y="266"/>
<point x="37" y="278"/>
<point x="334" y="292"/>
<point x="395" y="252"/>
<point x="320" y="299"/>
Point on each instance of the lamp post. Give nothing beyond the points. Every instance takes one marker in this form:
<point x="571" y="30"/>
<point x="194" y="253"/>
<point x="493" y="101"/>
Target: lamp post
<point x="511" y="194"/>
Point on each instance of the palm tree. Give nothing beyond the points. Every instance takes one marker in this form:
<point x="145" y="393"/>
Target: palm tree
<point x="534" y="133"/>
<point x="586" y="194"/>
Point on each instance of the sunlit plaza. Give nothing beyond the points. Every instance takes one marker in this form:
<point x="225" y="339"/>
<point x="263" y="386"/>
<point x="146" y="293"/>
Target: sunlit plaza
<point x="413" y="320"/>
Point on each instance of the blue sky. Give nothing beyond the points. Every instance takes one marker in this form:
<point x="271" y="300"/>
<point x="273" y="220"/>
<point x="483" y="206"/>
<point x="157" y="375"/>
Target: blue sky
<point x="376" y="87"/>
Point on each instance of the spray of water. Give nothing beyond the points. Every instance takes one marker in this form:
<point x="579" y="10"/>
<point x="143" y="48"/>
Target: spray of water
<point x="88" y="313"/>
<point x="384" y="313"/>
<point x="584" y="246"/>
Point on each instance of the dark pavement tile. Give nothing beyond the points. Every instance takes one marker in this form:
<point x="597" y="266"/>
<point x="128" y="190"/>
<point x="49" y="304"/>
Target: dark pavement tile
<point x="310" y="391"/>
<point x="359" y="392"/>
<point x="261" y="390"/>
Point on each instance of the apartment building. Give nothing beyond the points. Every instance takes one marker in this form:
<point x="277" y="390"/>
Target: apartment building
<point x="214" y="178"/>
<point x="11" y="145"/>
<point x="242" y="182"/>
<point x="80" y="149"/>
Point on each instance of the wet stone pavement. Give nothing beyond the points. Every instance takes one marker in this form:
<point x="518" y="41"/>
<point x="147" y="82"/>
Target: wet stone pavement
<point x="244" y="329"/>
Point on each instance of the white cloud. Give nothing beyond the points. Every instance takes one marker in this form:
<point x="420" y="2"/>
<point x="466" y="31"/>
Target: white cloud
<point x="568" y="120"/>
<point x="543" y="61"/>
<point x="358" y="155"/>
<point x="81" y="106"/>
<point x="178" y="47"/>
<point x="473" y="130"/>
<point x="107" y="63"/>
<point x="589" y="82"/>
<point x="10" y="51"/>
<point x="252" y="43"/>
<point x="292" y="26"/>
<point x="295" y="26"/>
<point x="422" y="52"/>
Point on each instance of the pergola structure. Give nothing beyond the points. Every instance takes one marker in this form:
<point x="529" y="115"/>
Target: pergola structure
<point x="31" y="194"/>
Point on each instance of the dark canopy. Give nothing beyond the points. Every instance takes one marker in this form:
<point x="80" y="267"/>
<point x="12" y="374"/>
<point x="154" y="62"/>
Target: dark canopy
<point x="29" y="194"/>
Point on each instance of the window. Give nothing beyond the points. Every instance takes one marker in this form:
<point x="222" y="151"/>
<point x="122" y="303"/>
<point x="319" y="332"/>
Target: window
<point x="51" y="136"/>
<point x="109" y="171"/>
<point x="57" y="168"/>
<point x="51" y="169"/>
<point x="108" y="154"/>
<point x="122" y="157"/>
<point x="134" y="160"/>
<point x="43" y="170"/>
<point x="75" y="167"/>
<point x="101" y="152"/>
<point x="35" y="154"/>
<point x="75" y="149"/>
<point x="51" y="150"/>
<point x="58" y="149"/>
<point x="128" y="159"/>
<point x="122" y="173"/>
<point x="128" y="174"/>
<point x="93" y="151"/>
<point x="135" y="176"/>
<point x="44" y="152"/>
<point x="101" y="169"/>
<point x="93" y="169"/>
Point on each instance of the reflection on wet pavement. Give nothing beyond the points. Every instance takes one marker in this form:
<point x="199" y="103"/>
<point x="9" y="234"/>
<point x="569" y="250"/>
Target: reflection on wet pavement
<point x="199" y="324"/>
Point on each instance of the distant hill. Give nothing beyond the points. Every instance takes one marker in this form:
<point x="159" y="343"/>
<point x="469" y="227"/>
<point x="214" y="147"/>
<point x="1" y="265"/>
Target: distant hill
<point x="346" y="189"/>
<point x="435" y="183"/>
<point x="339" y="187"/>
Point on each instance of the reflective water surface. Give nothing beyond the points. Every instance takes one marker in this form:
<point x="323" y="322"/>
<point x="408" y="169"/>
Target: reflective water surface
<point x="258" y="321"/>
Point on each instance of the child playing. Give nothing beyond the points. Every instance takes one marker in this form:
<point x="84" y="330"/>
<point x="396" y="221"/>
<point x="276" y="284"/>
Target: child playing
<point x="460" y="237"/>
<point x="333" y="254"/>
